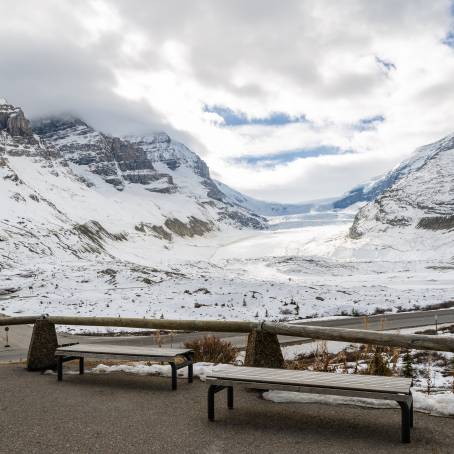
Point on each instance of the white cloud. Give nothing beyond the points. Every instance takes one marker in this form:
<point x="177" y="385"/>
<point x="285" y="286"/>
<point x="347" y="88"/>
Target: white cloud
<point x="133" y="65"/>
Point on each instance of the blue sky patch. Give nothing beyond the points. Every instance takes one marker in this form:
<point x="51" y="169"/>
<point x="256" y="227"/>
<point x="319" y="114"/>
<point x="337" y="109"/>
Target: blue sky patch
<point x="284" y="157"/>
<point x="369" y="123"/>
<point x="449" y="39"/>
<point x="232" y="118"/>
<point x="385" y="64"/>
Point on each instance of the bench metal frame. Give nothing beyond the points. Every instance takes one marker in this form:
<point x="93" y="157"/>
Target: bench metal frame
<point x="65" y="355"/>
<point x="404" y="400"/>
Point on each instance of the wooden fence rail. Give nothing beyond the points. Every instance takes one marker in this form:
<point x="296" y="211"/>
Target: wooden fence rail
<point x="412" y="341"/>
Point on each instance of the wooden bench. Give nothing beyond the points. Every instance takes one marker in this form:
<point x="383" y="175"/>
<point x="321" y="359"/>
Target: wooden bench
<point x="130" y="353"/>
<point x="365" y="386"/>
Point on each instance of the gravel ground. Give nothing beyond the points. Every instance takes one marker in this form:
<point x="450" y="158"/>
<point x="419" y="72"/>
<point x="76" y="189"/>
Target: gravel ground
<point x="121" y="413"/>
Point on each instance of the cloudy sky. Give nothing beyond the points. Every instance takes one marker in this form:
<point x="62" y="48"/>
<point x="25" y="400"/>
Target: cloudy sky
<point x="286" y="101"/>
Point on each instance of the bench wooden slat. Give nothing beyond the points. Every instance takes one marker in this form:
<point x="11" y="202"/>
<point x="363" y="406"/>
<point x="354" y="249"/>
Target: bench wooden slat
<point x="320" y="379"/>
<point x="120" y="350"/>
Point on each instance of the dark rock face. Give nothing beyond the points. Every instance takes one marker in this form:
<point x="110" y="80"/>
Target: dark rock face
<point x="116" y="160"/>
<point x="195" y="227"/>
<point x="96" y="234"/>
<point x="213" y="191"/>
<point x="13" y="121"/>
<point x="250" y="220"/>
<point x="160" y="148"/>
<point x="436" y="223"/>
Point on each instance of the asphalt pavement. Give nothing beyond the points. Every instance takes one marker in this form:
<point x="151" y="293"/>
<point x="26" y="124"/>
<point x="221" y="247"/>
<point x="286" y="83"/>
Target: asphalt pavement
<point x="124" y="413"/>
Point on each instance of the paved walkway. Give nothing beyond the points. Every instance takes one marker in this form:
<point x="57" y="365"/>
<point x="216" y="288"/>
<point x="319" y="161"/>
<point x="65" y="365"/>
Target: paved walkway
<point x="121" y="413"/>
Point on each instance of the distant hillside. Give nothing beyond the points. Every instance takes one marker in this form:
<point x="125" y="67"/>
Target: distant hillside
<point x="419" y="194"/>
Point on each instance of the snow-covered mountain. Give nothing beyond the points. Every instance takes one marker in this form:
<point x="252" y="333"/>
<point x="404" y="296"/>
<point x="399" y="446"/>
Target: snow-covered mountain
<point x="370" y="190"/>
<point x="419" y="194"/>
<point x="67" y="187"/>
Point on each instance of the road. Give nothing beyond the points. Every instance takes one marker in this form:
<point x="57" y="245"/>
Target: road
<point x="19" y="336"/>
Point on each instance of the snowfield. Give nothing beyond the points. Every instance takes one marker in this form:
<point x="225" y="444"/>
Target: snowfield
<point x="273" y="275"/>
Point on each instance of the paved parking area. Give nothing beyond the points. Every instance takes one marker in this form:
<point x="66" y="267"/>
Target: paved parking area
<point x="121" y="413"/>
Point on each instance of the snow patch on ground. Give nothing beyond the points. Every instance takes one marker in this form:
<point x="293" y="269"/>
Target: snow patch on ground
<point x="441" y="404"/>
<point x="201" y="370"/>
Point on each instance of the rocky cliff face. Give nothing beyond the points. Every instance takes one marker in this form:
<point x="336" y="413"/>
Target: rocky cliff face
<point x="156" y="162"/>
<point x="420" y="194"/>
<point x="117" y="161"/>
<point x="161" y="148"/>
<point x="13" y="121"/>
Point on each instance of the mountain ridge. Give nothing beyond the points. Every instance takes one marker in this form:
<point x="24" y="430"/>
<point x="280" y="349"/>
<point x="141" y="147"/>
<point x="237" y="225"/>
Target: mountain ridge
<point x="419" y="194"/>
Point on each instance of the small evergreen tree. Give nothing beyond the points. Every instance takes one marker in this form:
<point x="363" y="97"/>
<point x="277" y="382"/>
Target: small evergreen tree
<point x="407" y="369"/>
<point x="378" y="364"/>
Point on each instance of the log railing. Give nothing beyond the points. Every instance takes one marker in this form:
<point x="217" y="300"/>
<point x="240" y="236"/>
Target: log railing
<point x="412" y="341"/>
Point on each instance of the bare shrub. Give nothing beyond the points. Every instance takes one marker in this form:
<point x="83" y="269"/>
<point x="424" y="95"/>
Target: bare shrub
<point x="213" y="350"/>
<point x="322" y="357"/>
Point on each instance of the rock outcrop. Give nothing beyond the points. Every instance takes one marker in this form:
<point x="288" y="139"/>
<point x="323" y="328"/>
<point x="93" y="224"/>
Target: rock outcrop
<point x="13" y="121"/>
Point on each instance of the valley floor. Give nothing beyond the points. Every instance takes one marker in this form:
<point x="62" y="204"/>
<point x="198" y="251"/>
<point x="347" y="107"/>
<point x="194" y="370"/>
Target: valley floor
<point x="281" y="274"/>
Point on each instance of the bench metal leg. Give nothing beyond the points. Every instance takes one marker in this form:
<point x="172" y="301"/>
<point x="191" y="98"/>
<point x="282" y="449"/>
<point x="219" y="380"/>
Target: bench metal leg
<point x="406" y="421"/>
<point x="411" y="411"/>
<point x="212" y="390"/>
<point x="174" y="376"/>
<point x="230" y="397"/>
<point x="60" y="368"/>
<point x="190" y="369"/>
<point x="81" y="366"/>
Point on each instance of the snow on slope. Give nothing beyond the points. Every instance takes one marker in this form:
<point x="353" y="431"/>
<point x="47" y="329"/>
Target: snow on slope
<point x="421" y="197"/>
<point x="414" y="218"/>
<point x="372" y="189"/>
